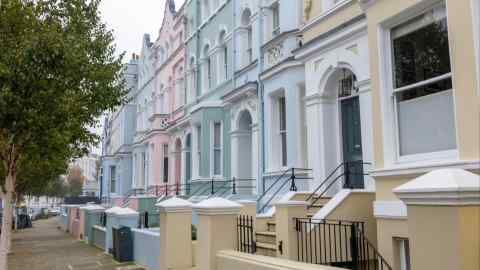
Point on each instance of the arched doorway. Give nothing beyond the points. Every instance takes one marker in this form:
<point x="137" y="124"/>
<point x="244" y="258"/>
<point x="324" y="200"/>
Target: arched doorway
<point x="178" y="161"/>
<point x="244" y="154"/>
<point x="342" y="126"/>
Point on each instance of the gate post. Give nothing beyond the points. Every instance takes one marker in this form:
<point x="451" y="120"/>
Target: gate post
<point x="217" y="229"/>
<point x="286" y="227"/>
<point x="175" y="234"/>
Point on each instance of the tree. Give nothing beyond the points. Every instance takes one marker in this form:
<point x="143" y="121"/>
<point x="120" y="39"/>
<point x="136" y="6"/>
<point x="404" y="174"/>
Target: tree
<point x="58" y="73"/>
<point x="75" y="181"/>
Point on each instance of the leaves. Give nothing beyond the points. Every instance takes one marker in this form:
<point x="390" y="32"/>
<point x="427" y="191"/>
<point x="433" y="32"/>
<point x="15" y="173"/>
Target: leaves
<point x="58" y="74"/>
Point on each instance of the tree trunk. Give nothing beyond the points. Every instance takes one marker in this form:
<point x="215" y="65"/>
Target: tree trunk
<point x="6" y="221"/>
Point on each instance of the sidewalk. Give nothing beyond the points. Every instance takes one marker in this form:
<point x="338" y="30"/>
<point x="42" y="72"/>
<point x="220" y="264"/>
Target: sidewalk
<point x="45" y="247"/>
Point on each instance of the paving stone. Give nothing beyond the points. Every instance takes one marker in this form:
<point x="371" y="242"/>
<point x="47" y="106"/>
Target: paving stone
<point x="45" y="247"/>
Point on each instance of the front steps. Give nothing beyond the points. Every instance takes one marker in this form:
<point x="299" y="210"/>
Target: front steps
<point x="266" y="241"/>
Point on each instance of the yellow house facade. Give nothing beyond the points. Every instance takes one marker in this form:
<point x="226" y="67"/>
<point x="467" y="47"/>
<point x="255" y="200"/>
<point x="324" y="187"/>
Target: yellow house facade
<point x="414" y="68"/>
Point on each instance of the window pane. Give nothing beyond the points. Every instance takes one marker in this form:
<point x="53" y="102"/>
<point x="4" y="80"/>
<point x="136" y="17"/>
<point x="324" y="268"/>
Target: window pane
<point x="217" y="162"/>
<point x="426" y="124"/>
<point x="282" y="113"/>
<point x="216" y="135"/>
<point x="112" y="179"/>
<point x="284" y="149"/>
<point x="420" y="50"/>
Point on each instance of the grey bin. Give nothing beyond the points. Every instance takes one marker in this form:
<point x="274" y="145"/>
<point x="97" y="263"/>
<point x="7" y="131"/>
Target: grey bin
<point x="122" y="244"/>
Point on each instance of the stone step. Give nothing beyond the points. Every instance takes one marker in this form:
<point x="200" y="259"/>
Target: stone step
<point x="271" y="225"/>
<point x="266" y="237"/>
<point x="266" y="249"/>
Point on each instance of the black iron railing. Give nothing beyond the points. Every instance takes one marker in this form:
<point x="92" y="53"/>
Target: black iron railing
<point x="288" y="177"/>
<point x="102" y="221"/>
<point x="233" y="187"/>
<point x="131" y="193"/>
<point x="148" y="220"/>
<point x="348" y="170"/>
<point x="338" y="243"/>
<point x="245" y="234"/>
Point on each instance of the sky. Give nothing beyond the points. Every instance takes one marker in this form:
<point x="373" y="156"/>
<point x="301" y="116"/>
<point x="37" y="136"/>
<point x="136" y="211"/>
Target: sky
<point x="130" y="20"/>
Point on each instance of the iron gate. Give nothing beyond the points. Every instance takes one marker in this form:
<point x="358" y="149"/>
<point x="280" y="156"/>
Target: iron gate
<point x="245" y="234"/>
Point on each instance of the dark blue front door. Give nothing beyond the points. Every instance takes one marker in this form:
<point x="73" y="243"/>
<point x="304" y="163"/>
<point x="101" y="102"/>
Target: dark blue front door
<point x="352" y="142"/>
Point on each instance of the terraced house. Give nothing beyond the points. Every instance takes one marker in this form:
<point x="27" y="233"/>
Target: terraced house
<point x="347" y="129"/>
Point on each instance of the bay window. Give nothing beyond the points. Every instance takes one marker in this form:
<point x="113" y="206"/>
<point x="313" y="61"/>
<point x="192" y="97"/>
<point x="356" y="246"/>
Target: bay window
<point x="422" y="84"/>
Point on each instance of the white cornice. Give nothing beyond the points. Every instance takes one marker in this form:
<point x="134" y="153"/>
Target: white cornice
<point x="366" y="4"/>
<point x="217" y="206"/>
<point x="279" y="68"/>
<point x="441" y="187"/>
<point x="325" y="14"/>
<point x="174" y="205"/>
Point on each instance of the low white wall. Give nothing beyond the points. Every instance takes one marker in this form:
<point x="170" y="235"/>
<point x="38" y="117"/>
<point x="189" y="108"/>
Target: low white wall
<point x="99" y="235"/>
<point x="146" y="247"/>
<point x="234" y="260"/>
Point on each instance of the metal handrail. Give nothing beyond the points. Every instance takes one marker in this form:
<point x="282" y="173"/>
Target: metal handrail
<point x="363" y="241"/>
<point x="293" y="186"/>
<point x="274" y="183"/>
<point x="324" y="181"/>
<point x="222" y="190"/>
<point x="333" y="181"/>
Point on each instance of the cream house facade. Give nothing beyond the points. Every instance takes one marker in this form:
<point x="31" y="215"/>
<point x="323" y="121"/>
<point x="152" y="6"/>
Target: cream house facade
<point x="425" y="121"/>
<point x="413" y="67"/>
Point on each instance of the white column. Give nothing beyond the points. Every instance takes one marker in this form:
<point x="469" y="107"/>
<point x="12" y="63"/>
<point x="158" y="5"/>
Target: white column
<point x="194" y="152"/>
<point x="314" y="138"/>
<point x="255" y="153"/>
<point x="234" y="153"/>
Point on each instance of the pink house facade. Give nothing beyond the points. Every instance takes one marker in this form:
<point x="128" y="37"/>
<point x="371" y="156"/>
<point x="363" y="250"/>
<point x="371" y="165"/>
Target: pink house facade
<point x="169" y="93"/>
<point x="159" y="97"/>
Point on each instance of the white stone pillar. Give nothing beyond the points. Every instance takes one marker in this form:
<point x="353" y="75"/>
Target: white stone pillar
<point x="217" y="229"/>
<point x="175" y="234"/>
<point x="256" y="172"/>
<point x="443" y="219"/>
<point x="314" y="139"/>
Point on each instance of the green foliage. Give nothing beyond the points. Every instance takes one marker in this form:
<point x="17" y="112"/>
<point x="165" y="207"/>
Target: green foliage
<point x="58" y="74"/>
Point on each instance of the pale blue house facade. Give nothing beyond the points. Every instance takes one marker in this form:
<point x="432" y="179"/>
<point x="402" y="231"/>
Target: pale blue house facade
<point x="117" y="138"/>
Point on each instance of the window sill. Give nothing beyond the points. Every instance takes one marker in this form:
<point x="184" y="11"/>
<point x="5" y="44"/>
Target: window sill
<point x="427" y="158"/>
<point x="416" y="168"/>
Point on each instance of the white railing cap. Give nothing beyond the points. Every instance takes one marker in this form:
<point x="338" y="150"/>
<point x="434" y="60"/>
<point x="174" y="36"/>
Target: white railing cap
<point x="119" y="211"/>
<point x="217" y="206"/>
<point x="450" y="186"/>
<point x="174" y="205"/>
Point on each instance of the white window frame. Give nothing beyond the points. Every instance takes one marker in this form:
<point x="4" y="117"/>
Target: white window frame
<point x="212" y="149"/>
<point x="275" y="18"/>
<point x="165" y="156"/>
<point x="113" y="176"/>
<point x="199" y="150"/>
<point x="404" y="256"/>
<point x="476" y="35"/>
<point x="389" y="120"/>
<point x="280" y="132"/>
